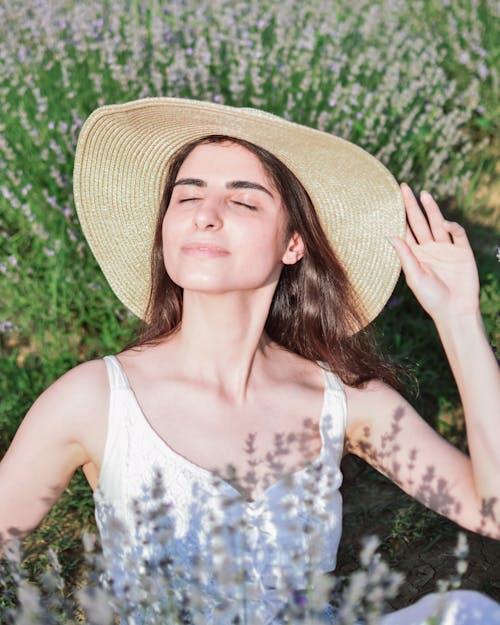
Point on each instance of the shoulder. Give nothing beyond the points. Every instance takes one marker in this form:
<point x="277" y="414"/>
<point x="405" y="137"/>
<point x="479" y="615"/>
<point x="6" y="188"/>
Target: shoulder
<point x="375" y="403"/>
<point x="74" y="400"/>
<point x="368" y="392"/>
<point x="292" y="371"/>
<point x="68" y="421"/>
<point x="87" y="381"/>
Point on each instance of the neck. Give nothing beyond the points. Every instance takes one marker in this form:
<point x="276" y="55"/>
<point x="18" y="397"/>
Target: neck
<point x="221" y="339"/>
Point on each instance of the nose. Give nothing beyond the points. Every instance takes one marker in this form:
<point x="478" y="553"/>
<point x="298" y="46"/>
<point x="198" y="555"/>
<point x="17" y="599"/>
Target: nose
<point x="207" y="215"/>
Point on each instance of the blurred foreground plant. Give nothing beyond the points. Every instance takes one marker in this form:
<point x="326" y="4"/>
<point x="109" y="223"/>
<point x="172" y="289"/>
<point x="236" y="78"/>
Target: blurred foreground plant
<point x="149" y="585"/>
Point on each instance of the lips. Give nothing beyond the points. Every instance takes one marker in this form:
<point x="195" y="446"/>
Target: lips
<point x="208" y="250"/>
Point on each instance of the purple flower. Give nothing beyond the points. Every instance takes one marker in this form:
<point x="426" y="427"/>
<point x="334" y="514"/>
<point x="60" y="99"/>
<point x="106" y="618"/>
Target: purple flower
<point x="395" y="301"/>
<point x="483" y="71"/>
<point x="464" y="58"/>
<point x="300" y="597"/>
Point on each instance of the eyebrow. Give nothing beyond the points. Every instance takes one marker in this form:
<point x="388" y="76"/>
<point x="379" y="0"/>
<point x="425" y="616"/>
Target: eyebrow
<point x="234" y="184"/>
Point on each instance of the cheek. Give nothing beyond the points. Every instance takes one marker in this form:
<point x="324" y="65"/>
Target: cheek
<point x="167" y="236"/>
<point x="280" y="232"/>
<point x="286" y="229"/>
<point x="267" y="250"/>
<point x="164" y="229"/>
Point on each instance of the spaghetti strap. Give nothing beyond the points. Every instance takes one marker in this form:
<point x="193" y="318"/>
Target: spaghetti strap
<point x="332" y="381"/>
<point x="334" y="417"/>
<point x="116" y="375"/>
<point x="116" y="446"/>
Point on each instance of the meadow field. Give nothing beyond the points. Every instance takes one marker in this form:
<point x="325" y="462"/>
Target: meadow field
<point x="415" y="83"/>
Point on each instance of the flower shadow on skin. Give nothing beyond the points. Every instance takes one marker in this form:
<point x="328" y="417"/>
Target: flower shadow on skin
<point x="432" y="490"/>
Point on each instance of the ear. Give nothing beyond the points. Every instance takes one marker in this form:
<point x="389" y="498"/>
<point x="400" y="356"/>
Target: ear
<point x="294" y="250"/>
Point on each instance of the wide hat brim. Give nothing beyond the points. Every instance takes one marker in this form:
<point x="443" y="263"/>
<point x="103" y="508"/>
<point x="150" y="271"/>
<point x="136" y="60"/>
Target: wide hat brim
<point x="120" y="168"/>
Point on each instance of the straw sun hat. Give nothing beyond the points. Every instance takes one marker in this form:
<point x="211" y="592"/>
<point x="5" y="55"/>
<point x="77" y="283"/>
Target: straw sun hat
<point x="120" y="170"/>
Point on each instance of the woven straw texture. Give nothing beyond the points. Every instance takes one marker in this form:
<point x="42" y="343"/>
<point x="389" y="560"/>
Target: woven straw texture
<point x="120" y="169"/>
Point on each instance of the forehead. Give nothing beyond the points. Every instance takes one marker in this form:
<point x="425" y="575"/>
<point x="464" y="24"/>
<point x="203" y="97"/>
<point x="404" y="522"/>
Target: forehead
<point x="228" y="160"/>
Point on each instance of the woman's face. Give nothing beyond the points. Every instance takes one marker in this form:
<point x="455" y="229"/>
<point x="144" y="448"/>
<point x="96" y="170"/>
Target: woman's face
<point x="225" y="227"/>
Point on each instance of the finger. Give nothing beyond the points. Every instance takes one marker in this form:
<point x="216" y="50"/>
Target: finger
<point x="410" y="239"/>
<point x="435" y="217"/>
<point x="457" y="233"/>
<point x="416" y="219"/>
<point x="409" y="263"/>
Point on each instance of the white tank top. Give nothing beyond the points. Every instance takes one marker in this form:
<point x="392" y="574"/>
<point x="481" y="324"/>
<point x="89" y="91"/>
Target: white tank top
<point x="160" y="515"/>
<point x="171" y="530"/>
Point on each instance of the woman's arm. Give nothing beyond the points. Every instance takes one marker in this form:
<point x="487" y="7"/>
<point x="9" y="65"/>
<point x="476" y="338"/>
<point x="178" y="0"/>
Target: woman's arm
<point x="384" y="429"/>
<point x="64" y="429"/>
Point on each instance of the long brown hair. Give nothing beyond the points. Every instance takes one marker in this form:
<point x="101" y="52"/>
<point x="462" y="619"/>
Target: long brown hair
<point x="314" y="308"/>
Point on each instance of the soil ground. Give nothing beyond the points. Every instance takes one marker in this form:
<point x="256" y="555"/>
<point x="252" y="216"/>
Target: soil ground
<point x="415" y="541"/>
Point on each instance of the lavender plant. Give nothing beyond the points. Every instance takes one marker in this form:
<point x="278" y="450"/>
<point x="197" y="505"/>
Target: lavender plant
<point x="376" y="74"/>
<point x="408" y="81"/>
<point x="194" y="549"/>
<point x="142" y="579"/>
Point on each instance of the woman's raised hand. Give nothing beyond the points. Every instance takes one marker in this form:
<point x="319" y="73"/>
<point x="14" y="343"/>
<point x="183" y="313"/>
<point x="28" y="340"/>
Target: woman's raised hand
<point x="437" y="260"/>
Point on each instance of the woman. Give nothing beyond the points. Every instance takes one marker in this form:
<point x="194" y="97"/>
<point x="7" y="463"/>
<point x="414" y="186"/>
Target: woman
<point x="271" y="250"/>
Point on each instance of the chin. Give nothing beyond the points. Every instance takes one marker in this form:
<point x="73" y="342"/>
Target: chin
<point x="202" y="284"/>
<point x="217" y="284"/>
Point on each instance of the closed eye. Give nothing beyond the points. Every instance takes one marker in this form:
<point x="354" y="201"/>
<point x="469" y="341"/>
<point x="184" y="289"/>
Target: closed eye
<point x="253" y="208"/>
<point x="194" y="199"/>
